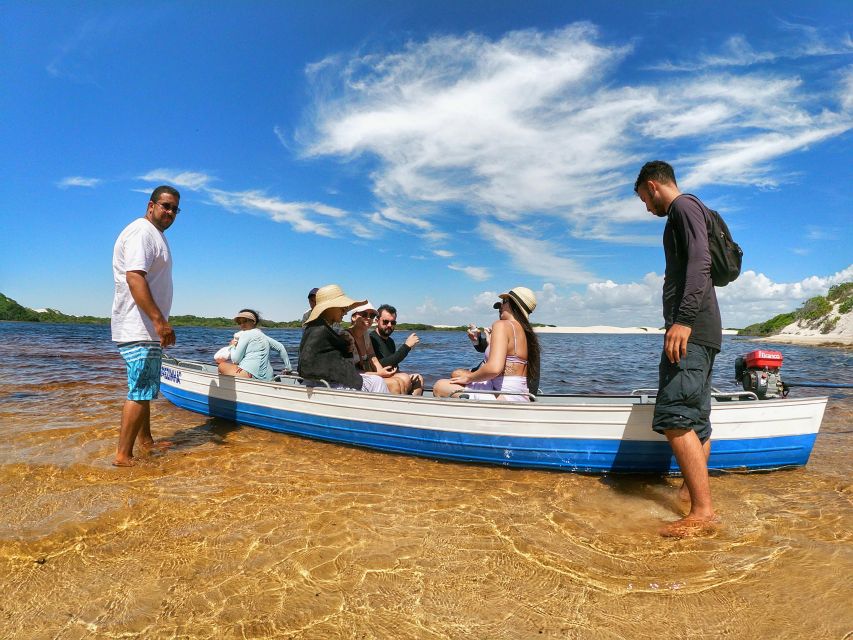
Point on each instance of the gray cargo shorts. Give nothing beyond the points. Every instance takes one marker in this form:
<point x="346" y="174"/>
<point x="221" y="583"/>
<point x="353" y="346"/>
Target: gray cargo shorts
<point x="684" y="392"/>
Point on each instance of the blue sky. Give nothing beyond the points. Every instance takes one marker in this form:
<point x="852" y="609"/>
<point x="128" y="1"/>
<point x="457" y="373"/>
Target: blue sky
<point x="425" y="154"/>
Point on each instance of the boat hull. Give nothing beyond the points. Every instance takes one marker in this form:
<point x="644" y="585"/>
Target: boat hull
<point x="592" y="434"/>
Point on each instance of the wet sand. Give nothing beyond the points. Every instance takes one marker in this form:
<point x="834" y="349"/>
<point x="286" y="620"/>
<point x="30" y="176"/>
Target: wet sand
<point x="241" y="533"/>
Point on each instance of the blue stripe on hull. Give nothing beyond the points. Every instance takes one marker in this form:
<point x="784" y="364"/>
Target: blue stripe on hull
<point x="567" y="454"/>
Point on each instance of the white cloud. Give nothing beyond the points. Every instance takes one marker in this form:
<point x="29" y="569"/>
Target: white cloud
<point x="536" y="124"/>
<point x="534" y="256"/>
<point x="846" y="89"/>
<point x="475" y="273"/>
<point x="443" y="253"/>
<point x="297" y="214"/>
<point x="78" y="181"/>
<point x="752" y="298"/>
<point x="191" y="180"/>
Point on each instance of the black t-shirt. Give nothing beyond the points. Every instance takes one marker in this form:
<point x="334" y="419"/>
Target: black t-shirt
<point x="689" y="297"/>
<point x="386" y="350"/>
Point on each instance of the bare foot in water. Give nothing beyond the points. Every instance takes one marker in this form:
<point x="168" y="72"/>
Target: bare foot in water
<point x="124" y="462"/>
<point x="160" y="446"/>
<point x="690" y="527"/>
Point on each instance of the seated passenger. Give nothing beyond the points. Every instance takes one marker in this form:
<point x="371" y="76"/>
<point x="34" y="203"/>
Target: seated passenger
<point x="480" y="340"/>
<point x="250" y="350"/>
<point x="389" y="355"/>
<point x="512" y="357"/>
<point x="364" y="356"/>
<point x="224" y="354"/>
<point x="324" y="354"/>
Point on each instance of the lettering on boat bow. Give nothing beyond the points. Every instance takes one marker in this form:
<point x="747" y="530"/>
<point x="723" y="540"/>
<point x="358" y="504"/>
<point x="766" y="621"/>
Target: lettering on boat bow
<point x="172" y="375"/>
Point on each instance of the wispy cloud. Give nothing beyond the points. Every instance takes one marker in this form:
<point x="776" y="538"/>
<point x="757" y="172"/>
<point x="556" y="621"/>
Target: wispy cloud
<point x="737" y="52"/>
<point x="78" y="181"/>
<point x="185" y="179"/>
<point x="297" y="214"/>
<point x="538" y="124"/>
<point x="535" y="256"/>
<point x="475" y="273"/>
<point x="443" y="253"/>
<point x="304" y="217"/>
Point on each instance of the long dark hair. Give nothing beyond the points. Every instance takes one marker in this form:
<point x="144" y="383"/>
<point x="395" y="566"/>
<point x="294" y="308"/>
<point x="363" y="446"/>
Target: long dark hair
<point x="533" y="350"/>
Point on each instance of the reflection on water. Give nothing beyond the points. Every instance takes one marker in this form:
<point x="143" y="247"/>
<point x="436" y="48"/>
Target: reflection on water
<point x="238" y="532"/>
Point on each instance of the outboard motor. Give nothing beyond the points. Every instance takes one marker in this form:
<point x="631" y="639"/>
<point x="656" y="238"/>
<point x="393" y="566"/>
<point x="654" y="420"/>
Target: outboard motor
<point x="758" y="371"/>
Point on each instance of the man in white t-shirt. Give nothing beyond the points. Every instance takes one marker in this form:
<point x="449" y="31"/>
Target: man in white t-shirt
<point x="142" y="272"/>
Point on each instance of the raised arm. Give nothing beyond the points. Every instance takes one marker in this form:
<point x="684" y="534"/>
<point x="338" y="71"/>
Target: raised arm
<point x="494" y="366"/>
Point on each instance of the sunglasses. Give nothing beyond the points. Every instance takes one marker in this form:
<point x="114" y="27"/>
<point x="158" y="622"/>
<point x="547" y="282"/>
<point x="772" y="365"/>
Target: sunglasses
<point x="171" y="208"/>
<point x="369" y="316"/>
<point x="244" y="321"/>
<point x="393" y="323"/>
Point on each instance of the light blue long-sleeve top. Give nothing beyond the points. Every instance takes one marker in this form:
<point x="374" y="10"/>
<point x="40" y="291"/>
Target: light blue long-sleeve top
<point x="252" y="353"/>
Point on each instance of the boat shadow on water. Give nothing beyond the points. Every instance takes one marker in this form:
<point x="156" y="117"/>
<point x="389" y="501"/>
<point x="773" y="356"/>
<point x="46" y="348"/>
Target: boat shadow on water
<point x="213" y="431"/>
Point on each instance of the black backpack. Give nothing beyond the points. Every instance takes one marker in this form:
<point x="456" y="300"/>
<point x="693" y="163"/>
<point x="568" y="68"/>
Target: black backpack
<point x="726" y="254"/>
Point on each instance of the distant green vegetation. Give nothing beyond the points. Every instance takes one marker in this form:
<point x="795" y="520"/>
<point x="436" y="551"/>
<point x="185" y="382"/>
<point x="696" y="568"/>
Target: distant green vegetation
<point x="12" y="311"/>
<point x="814" y="313"/>
<point x="198" y="321"/>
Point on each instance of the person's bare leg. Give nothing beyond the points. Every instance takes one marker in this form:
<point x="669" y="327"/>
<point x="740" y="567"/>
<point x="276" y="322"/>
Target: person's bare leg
<point x="395" y="385"/>
<point x="683" y="493"/>
<point x="417" y="384"/>
<point x="690" y="454"/>
<point x="458" y="372"/>
<point x="134" y="415"/>
<point x="444" y="388"/>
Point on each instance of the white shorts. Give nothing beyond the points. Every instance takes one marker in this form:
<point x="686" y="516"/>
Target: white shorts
<point x="515" y="385"/>
<point x="372" y="384"/>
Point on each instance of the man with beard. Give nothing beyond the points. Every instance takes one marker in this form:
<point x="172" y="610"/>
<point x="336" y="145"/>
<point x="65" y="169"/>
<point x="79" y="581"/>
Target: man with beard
<point x="692" y="341"/>
<point x="387" y="352"/>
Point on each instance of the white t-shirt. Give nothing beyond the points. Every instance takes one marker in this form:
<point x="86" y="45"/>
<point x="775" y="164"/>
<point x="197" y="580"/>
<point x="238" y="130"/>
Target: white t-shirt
<point x="140" y="247"/>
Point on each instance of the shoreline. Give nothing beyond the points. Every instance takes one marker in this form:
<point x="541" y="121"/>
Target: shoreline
<point x="604" y="329"/>
<point x="841" y="342"/>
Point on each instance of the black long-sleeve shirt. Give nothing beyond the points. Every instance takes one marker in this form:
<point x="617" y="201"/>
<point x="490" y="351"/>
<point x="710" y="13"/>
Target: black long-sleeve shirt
<point x="325" y="355"/>
<point x="386" y="350"/>
<point x="689" y="297"/>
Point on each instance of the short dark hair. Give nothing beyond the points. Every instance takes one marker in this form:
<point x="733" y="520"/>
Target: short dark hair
<point x="254" y="313"/>
<point x="655" y="170"/>
<point x="386" y="307"/>
<point x="164" y="188"/>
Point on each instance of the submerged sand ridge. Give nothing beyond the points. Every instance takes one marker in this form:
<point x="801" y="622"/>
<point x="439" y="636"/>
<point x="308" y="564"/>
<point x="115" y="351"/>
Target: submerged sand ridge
<point x="242" y="533"/>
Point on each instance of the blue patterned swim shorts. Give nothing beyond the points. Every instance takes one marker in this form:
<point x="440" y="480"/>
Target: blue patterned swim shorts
<point x="143" y="368"/>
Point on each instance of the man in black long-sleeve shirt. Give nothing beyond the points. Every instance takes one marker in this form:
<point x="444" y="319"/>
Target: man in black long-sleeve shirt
<point x="386" y="350"/>
<point x="693" y="339"/>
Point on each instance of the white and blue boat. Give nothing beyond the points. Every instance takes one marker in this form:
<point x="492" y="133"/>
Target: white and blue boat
<point x="581" y="433"/>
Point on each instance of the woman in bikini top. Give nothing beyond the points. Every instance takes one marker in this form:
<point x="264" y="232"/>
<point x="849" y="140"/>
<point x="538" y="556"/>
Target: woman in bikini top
<point x="507" y="356"/>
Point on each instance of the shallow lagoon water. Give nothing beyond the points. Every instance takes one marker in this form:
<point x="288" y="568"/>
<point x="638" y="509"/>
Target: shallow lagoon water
<point x="242" y="533"/>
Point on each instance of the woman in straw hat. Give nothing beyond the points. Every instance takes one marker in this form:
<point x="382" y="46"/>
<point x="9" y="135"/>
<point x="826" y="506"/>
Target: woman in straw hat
<point x="250" y="350"/>
<point x="511" y="365"/>
<point x="324" y="354"/>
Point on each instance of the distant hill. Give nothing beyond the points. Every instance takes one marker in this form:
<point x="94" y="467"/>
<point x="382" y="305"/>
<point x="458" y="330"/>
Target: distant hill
<point x="821" y="315"/>
<point x="11" y="310"/>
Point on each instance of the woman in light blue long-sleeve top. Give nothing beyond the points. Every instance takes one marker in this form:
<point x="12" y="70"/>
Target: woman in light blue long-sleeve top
<point x="250" y="354"/>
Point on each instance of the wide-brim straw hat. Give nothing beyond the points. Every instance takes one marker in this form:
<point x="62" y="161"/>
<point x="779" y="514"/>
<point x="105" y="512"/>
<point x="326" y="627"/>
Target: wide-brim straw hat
<point x="329" y="297"/>
<point x="523" y="297"/>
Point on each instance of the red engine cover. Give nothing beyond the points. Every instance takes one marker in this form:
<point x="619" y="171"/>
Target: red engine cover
<point x="761" y="358"/>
